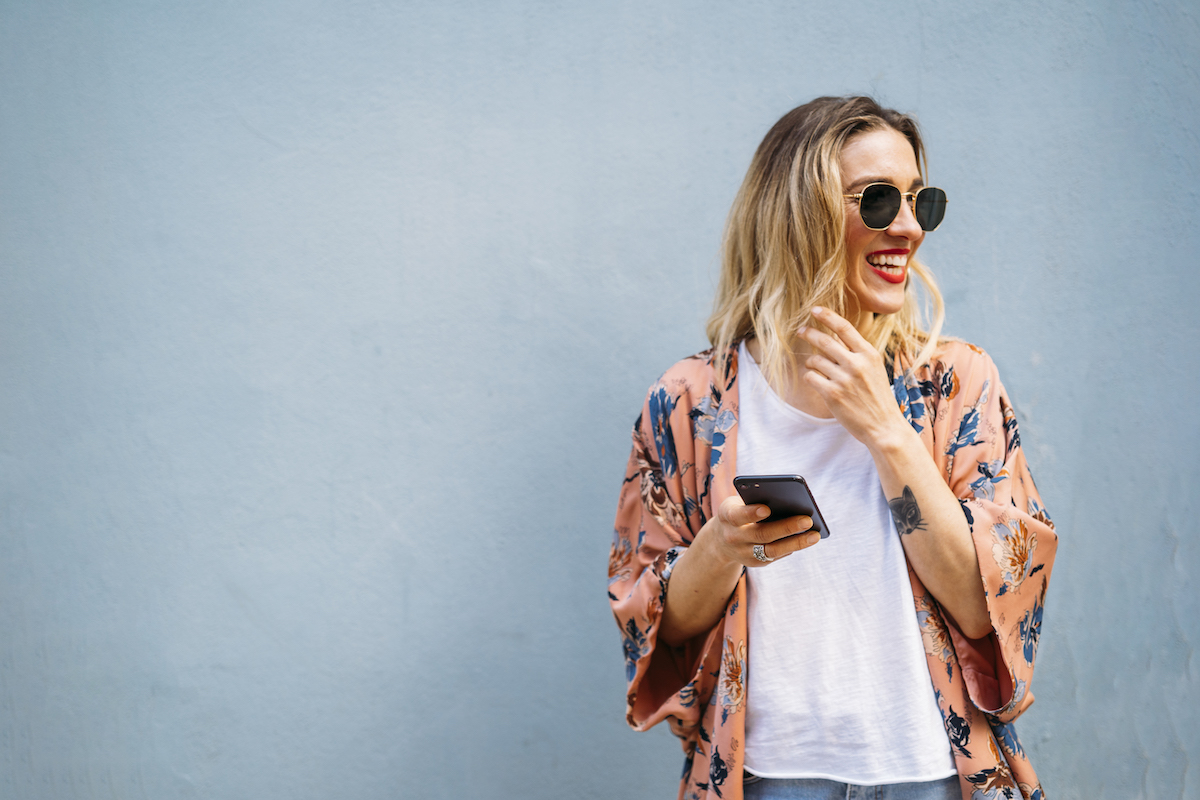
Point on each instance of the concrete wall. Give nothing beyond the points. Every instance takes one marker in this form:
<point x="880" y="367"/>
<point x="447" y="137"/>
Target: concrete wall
<point x="323" y="324"/>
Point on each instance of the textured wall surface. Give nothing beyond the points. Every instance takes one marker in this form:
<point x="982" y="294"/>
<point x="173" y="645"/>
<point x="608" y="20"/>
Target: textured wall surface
<point x="323" y="324"/>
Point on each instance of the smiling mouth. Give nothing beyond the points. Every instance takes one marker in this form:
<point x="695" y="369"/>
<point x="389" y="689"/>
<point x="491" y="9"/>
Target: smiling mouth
<point x="889" y="266"/>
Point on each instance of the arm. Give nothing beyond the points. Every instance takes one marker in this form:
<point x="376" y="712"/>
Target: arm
<point x="849" y="375"/>
<point x="706" y="574"/>
<point x="932" y="528"/>
<point x="977" y="448"/>
<point x="657" y="516"/>
<point x="671" y="569"/>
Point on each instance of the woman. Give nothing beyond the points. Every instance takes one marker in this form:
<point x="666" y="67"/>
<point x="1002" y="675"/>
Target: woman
<point x="896" y="652"/>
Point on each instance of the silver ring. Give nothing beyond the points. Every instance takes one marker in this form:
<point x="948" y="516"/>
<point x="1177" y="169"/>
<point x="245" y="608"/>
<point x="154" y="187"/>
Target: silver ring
<point x="760" y="553"/>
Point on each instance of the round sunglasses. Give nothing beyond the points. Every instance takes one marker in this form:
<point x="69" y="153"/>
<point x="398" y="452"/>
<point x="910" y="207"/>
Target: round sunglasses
<point x="879" y="203"/>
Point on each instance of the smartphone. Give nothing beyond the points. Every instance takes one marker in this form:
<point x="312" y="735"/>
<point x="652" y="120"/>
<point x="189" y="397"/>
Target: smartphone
<point x="786" y="496"/>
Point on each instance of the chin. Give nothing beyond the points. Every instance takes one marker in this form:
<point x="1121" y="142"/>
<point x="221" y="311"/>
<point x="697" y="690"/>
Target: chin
<point x="882" y="306"/>
<point x="874" y="296"/>
<point x="888" y="308"/>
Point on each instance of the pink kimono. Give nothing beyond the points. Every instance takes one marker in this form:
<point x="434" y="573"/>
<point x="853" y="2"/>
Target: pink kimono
<point x="682" y="467"/>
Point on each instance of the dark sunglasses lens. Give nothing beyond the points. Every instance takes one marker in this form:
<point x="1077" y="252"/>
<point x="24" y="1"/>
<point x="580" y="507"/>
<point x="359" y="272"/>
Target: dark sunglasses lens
<point x="930" y="207"/>
<point x="879" y="205"/>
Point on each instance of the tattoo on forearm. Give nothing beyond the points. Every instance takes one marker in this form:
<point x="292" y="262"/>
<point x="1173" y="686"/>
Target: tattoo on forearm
<point x="906" y="513"/>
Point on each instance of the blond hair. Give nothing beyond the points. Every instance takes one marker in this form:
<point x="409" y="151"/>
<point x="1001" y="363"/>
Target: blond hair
<point x="784" y="248"/>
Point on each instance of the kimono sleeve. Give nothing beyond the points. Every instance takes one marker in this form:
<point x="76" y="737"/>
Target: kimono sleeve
<point x="658" y="515"/>
<point x="1015" y="540"/>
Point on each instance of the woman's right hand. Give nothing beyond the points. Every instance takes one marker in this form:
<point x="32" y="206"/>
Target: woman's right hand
<point x="737" y="528"/>
<point x="708" y="571"/>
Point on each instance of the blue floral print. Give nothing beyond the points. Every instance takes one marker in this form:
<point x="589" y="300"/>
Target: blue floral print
<point x="953" y="403"/>
<point x="957" y="729"/>
<point x="710" y="424"/>
<point x="635" y="646"/>
<point x="620" y="557"/>
<point x="1012" y="436"/>
<point x="661" y="406"/>
<point x="990" y="473"/>
<point x="910" y="399"/>
<point x="1018" y="694"/>
<point x="687" y="695"/>
<point x="948" y="385"/>
<point x="993" y="784"/>
<point x="967" y="430"/>
<point x="1006" y="735"/>
<point x="1038" y="512"/>
<point x="1031" y="627"/>
<point x="718" y="771"/>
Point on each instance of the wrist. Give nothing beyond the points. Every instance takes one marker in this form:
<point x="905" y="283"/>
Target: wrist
<point x="897" y="439"/>
<point x="710" y="551"/>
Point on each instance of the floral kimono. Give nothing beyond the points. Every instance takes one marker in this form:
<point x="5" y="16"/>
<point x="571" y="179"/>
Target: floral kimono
<point x="682" y="467"/>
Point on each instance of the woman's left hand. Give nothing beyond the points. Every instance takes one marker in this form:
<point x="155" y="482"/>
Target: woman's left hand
<point x="849" y="375"/>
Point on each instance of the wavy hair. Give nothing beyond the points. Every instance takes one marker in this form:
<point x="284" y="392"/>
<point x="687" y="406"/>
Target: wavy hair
<point x="784" y="248"/>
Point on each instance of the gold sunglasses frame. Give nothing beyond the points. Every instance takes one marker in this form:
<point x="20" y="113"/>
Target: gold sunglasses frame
<point x="912" y="204"/>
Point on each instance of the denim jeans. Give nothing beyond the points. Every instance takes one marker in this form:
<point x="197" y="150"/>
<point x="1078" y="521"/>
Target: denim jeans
<point x="817" y="789"/>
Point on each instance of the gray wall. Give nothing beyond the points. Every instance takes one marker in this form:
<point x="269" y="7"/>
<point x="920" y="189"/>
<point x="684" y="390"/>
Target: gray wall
<point x="323" y="324"/>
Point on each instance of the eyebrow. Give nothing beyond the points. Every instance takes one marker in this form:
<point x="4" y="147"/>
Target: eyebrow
<point x="916" y="184"/>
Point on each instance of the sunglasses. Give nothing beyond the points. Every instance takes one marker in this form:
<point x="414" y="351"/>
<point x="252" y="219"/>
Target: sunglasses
<point x="879" y="203"/>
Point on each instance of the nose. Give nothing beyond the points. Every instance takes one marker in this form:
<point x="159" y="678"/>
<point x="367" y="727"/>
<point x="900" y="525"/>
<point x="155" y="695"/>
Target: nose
<point x="905" y="225"/>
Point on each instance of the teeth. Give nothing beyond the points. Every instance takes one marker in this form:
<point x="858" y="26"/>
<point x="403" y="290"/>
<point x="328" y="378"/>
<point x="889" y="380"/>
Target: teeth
<point x="888" y="261"/>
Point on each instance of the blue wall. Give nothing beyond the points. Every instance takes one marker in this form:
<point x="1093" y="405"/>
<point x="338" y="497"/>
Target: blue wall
<point x="323" y="324"/>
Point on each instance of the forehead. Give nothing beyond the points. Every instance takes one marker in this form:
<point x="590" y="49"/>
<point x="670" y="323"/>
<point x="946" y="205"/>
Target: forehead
<point x="879" y="155"/>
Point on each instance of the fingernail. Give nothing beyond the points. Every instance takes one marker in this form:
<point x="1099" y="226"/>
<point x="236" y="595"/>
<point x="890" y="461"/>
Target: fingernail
<point x="762" y="512"/>
<point x="818" y="310"/>
<point x="813" y="538"/>
<point x="802" y="329"/>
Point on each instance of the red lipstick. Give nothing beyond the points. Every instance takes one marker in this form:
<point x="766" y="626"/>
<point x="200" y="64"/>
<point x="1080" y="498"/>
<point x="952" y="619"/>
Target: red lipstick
<point x="898" y="277"/>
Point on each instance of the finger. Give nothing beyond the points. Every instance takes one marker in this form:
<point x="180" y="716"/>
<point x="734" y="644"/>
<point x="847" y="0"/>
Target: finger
<point x="821" y="364"/>
<point x="782" y="548"/>
<point x="733" y="511"/>
<point x="830" y="390"/>
<point x="785" y="547"/>
<point x="822" y="342"/>
<point x="822" y="383"/>
<point x="842" y="327"/>
<point x="779" y="529"/>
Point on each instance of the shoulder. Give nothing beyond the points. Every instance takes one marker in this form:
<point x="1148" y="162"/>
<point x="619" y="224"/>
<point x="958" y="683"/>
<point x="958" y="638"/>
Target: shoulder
<point x="964" y="381"/>
<point x="698" y="365"/>
<point x="968" y="361"/>
<point x="696" y="373"/>
<point x="699" y="386"/>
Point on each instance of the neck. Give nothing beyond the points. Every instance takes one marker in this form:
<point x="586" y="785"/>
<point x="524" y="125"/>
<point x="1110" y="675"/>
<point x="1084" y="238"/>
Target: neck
<point x="794" y="390"/>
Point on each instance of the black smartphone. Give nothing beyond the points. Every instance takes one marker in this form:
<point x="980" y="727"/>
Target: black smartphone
<point x="786" y="496"/>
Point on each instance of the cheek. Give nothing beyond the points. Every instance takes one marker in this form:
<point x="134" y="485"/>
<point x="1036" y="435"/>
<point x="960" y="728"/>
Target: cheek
<point x="854" y="241"/>
<point x="856" y="249"/>
<point x="855" y="233"/>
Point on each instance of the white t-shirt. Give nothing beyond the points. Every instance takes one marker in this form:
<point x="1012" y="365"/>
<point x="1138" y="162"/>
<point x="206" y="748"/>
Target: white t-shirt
<point x="837" y="682"/>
